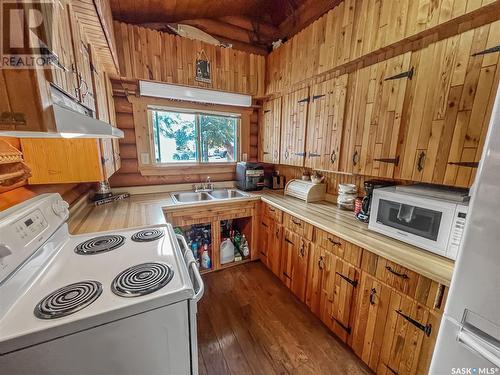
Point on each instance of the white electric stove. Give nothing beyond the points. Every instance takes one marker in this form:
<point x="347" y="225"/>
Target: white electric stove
<point x="116" y="302"/>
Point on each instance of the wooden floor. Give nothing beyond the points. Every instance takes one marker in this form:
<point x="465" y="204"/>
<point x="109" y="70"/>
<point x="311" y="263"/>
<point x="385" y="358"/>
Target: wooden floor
<point x="250" y="323"/>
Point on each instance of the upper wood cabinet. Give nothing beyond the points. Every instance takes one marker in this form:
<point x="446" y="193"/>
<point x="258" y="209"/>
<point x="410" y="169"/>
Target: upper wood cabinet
<point x="293" y="127"/>
<point x="374" y="117"/>
<point x="270" y="132"/>
<point x="448" y="108"/>
<point x="325" y="123"/>
<point x="62" y="72"/>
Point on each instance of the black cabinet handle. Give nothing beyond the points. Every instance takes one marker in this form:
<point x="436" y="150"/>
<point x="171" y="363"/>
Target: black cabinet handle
<point x="355" y="158"/>
<point x="296" y="222"/>
<point x="334" y="243"/>
<point x="394" y="161"/>
<point x="398" y="274"/>
<point x="373" y="292"/>
<point x="487" y="50"/>
<point x="471" y="164"/>
<point x="333" y="157"/>
<point x="300" y="154"/>
<point x="266" y="153"/>
<point x="354" y="283"/>
<point x="265" y="225"/>
<point x="317" y="97"/>
<point x="314" y="155"/>
<point x="321" y="262"/>
<point x="286" y="275"/>
<point x="267" y="111"/>
<point x="420" y="162"/>
<point x="305" y="100"/>
<point x="408" y="74"/>
<point x="426" y="328"/>
<point x="286" y="154"/>
<point x="342" y="325"/>
<point x="287" y="240"/>
<point x="392" y="370"/>
<point x="277" y="233"/>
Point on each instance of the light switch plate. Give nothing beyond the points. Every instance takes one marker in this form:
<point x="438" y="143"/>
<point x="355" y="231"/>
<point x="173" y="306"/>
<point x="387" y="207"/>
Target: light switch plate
<point x="144" y="158"/>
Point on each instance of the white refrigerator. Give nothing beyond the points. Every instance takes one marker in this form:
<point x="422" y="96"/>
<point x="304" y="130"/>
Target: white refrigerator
<point x="469" y="336"/>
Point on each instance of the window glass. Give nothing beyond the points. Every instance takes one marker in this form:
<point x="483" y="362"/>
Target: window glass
<point x="181" y="137"/>
<point x="218" y="138"/>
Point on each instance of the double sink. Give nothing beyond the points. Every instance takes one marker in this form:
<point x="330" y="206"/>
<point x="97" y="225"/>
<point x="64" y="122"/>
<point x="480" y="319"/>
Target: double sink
<point x="203" y="196"/>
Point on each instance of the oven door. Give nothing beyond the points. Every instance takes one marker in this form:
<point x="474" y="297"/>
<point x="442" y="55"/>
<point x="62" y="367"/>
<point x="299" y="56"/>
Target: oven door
<point x="422" y="222"/>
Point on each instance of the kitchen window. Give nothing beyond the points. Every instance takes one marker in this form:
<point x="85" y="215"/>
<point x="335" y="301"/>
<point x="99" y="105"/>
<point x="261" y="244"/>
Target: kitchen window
<point x="183" y="137"/>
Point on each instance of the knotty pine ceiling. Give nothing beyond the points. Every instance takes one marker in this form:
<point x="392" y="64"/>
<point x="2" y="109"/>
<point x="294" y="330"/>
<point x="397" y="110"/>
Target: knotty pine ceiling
<point x="250" y="25"/>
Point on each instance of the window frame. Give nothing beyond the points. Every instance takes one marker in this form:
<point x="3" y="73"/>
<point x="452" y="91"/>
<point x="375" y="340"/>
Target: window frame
<point x="197" y="112"/>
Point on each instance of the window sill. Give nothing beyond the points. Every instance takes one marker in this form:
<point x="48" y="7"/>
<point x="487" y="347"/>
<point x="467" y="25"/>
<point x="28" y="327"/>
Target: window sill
<point x="186" y="169"/>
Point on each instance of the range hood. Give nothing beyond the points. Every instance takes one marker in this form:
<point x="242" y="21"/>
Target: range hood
<point x="70" y="124"/>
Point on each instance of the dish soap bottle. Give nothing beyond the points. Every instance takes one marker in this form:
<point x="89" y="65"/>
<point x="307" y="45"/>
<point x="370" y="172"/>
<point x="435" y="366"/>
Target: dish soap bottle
<point x="244" y="249"/>
<point x="206" y="263"/>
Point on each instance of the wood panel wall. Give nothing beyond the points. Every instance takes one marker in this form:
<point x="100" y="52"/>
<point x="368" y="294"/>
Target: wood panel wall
<point x="357" y="33"/>
<point x="129" y="174"/>
<point x="153" y="55"/>
<point x="11" y="195"/>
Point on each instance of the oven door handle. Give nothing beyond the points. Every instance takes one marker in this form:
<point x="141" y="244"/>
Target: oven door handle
<point x="191" y="264"/>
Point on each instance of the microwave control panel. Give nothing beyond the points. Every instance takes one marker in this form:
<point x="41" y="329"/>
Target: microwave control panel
<point x="457" y="231"/>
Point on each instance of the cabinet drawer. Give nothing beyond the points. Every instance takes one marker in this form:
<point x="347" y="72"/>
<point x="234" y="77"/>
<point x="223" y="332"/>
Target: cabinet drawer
<point x="298" y="226"/>
<point x="396" y="276"/>
<point x="273" y="213"/>
<point x="343" y="249"/>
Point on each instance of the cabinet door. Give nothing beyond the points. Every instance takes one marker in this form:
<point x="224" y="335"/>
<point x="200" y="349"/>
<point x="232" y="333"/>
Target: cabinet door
<point x="293" y="129"/>
<point x="324" y="124"/>
<point x="315" y="278"/>
<point x="374" y="118"/>
<point x="274" y="249"/>
<point x="271" y="131"/>
<point x="112" y="119"/>
<point x="346" y="279"/>
<point x="287" y="248"/>
<point x="409" y="337"/>
<point x="82" y="68"/>
<point x="62" y="75"/>
<point x="448" y="107"/>
<point x="265" y="235"/>
<point x="370" y="315"/>
<point x="300" y="260"/>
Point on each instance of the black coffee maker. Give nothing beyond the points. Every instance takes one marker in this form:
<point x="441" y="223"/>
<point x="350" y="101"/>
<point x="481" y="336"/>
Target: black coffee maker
<point x="370" y="185"/>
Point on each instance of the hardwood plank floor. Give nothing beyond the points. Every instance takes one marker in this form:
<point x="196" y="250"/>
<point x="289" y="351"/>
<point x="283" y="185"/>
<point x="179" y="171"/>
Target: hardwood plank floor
<point x="250" y="323"/>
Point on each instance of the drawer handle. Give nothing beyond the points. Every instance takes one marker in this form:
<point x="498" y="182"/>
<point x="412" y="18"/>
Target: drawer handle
<point x="355" y="158"/>
<point x="427" y="328"/>
<point x="271" y="209"/>
<point x="263" y="253"/>
<point x="420" y="162"/>
<point x="277" y="233"/>
<point x="342" y="325"/>
<point x="296" y="222"/>
<point x="286" y="275"/>
<point x="354" y="283"/>
<point x="402" y="275"/>
<point x="333" y="157"/>
<point x="334" y="243"/>
<point x="287" y="240"/>
<point x="373" y="293"/>
<point x="265" y="225"/>
<point x="321" y="263"/>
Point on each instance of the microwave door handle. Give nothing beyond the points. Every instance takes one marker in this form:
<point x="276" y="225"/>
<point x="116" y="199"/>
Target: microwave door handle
<point x="405" y="213"/>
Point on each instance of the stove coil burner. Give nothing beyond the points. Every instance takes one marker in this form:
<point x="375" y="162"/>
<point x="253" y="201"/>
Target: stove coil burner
<point x="100" y="244"/>
<point x="142" y="279"/>
<point x="68" y="300"/>
<point x="148" y="235"/>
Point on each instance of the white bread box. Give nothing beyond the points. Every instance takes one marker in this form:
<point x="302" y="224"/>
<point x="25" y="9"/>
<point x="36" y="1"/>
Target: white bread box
<point x="306" y="190"/>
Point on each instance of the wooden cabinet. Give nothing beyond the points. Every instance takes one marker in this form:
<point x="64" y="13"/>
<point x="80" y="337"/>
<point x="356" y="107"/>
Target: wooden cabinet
<point x="61" y="73"/>
<point x="274" y="249"/>
<point x="374" y="117"/>
<point x="369" y="320"/>
<point x="298" y="226"/>
<point x="82" y="67"/>
<point x="270" y="237"/>
<point x="270" y="131"/>
<point x="448" y="107"/>
<point x="293" y="127"/>
<point x="265" y="238"/>
<point x="325" y="123"/>
<point x="294" y="261"/>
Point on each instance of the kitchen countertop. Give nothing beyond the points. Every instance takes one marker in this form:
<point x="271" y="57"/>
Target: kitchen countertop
<point x="148" y="209"/>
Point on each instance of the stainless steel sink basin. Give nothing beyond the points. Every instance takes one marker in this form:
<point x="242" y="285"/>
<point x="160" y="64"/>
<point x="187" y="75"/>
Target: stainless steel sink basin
<point x="227" y="194"/>
<point x="203" y="196"/>
<point x="190" y="197"/>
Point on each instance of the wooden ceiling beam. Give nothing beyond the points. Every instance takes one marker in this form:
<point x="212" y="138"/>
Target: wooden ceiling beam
<point x="227" y="30"/>
<point x="306" y="13"/>
<point x="263" y="28"/>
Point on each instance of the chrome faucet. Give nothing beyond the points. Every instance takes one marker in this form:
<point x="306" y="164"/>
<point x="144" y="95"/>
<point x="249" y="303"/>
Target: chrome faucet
<point x="204" y="187"/>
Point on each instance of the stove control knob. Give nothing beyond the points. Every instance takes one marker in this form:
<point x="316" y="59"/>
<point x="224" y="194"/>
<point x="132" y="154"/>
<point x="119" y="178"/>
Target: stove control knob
<point x="60" y="208"/>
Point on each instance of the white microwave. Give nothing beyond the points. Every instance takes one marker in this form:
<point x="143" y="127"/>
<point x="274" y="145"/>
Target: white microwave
<point x="430" y="223"/>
